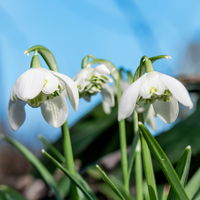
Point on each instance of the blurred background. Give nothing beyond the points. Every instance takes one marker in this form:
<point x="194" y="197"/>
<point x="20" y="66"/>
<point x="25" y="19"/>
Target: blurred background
<point x="116" y="30"/>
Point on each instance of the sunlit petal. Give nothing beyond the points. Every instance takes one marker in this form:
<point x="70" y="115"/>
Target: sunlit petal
<point x="55" y="111"/>
<point x="166" y="111"/>
<point x="102" y="69"/>
<point x="128" y="99"/>
<point x="71" y="88"/>
<point x="29" y="84"/>
<point x="16" y="114"/>
<point x="51" y="83"/>
<point x="108" y="98"/>
<point x="177" y="89"/>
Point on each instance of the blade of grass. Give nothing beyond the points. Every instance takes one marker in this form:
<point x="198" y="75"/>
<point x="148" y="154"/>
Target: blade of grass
<point x="148" y="169"/>
<point x="165" y="192"/>
<point x="164" y="163"/>
<point x="132" y="155"/>
<point x="46" y="175"/>
<point x="52" y="149"/>
<point x="138" y="172"/>
<point x="73" y="178"/>
<point x="110" y="183"/>
<point x="182" y="170"/>
<point x="7" y="193"/>
<point x="193" y="185"/>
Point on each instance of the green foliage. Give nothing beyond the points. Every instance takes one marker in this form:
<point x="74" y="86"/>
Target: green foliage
<point x="45" y="174"/>
<point x="164" y="163"/>
<point x="73" y="178"/>
<point x="7" y="193"/>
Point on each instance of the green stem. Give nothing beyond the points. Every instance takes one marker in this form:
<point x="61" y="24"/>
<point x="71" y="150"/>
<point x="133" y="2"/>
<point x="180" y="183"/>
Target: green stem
<point x="69" y="161"/>
<point x="138" y="161"/>
<point x="123" y="145"/>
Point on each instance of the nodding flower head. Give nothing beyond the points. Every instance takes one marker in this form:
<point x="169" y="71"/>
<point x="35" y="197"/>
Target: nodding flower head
<point x="163" y="92"/>
<point x="40" y="87"/>
<point x="92" y="80"/>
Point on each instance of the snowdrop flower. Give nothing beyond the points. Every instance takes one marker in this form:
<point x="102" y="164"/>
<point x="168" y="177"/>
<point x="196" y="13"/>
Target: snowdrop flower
<point x="163" y="92"/>
<point x="40" y="87"/>
<point x="91" y="81"/>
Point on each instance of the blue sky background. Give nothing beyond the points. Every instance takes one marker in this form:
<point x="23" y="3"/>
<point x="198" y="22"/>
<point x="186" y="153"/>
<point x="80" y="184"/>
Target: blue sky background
<point x="118" y="30"/>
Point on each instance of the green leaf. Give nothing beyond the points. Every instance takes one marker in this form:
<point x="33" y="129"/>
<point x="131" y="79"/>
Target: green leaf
<point x="64" y="185"/>
<point x="46" y="55"/>
<point x="193" y="185"/>
<point x="73" y="178"/>
<point x="52" y="149"/>
<point x="165" y="192"/>
<point x="148" y="169"/>
<point x="132" y="155"/>
<point x="164" y="163"/>
<point x="108" y="192"/>
<point x="7" y="193"/>
<point x="110" y="183"/>
<point x="197" y="197"/>
<point x="48" y="178"/>
<point x="182" y="169"/>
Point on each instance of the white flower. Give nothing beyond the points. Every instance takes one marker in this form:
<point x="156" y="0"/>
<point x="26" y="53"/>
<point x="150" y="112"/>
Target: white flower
<point x="162" y="91"/>
<point x="91" y="81"/>
<point x="44" y="88"/>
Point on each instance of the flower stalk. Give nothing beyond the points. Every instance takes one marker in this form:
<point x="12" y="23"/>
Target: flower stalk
<point x="69" y="161"/>
<point x="123" y="145"/>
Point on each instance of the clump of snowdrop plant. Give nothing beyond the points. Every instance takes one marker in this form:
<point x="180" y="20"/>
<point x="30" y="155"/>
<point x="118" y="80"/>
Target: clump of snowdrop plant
<point x="150" y="94"/>
<point x="44" y="88"/>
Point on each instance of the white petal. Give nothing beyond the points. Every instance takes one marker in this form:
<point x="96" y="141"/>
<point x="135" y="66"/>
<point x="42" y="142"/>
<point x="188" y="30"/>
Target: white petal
<point x="128" y="99"/>
<point x="71" y="88"/>
<point x="16" y="113"/>
<point x="102" y="69"/>
<point x="177" y="89"/>
<point x="150" y="117"/>
<point x="151" y="81"/>
<point x="166" y="111"/>
<point x="83" y="75"/>
<point x="29" y="84"/>
<point x="108" y="98"/>
<point x="51" y="83"/>
<point x="55" y="111"/>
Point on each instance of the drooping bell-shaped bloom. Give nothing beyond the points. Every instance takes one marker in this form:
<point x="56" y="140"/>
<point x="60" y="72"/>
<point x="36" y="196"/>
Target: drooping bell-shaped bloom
<point x="40" y="87"/>
<point x="163" y="92"/>
<point x="91" y="81"/>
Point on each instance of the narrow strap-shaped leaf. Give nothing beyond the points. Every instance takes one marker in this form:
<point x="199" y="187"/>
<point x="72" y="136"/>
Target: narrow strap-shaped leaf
<point x="197" y="197"/>
<point x="193" y="185"/>
<point x="73" y="178"/>
<point x="46" y="175"/>
<point x="46" y="54"/>
<point x="165" y="192"/>
<point x="132" y="155"/>
<point x="110" y="183"/>
<point x="138" y="172"/>
<point x="164" y="163"/>
<point x="52" y="149"/>
<point x="7" y="193"/>
<point x="146" y="191"/>
<point x="182" y="170"/>
<point x="148" y="169"/>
